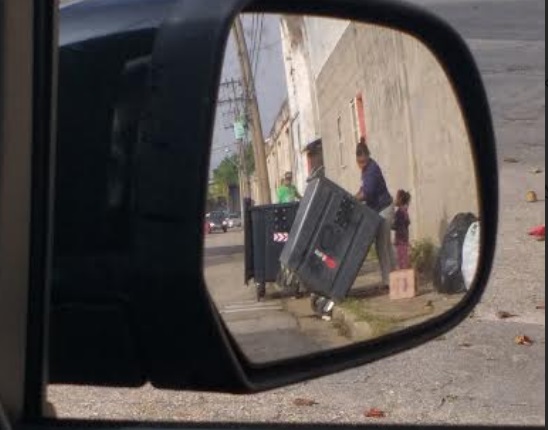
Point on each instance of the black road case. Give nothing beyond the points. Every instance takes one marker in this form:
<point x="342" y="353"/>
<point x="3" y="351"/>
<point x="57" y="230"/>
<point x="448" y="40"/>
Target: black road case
<point x="329" y="240"/>
<point x="267" y="230"/>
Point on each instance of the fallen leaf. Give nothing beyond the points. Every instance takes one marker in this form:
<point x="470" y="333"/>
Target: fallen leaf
<point x="524" y="341"/>
<point x="538" y="231"/>
<point x="305" y="403"/>
<point x="465" y="345"/>
<point x="375" y="413"/>
<point x="541" y="307"/>
<point x="503" y="315"/>
<point x="511" y="160"/>
<point x="536" y="171"/>
<point x="531" y="197"/>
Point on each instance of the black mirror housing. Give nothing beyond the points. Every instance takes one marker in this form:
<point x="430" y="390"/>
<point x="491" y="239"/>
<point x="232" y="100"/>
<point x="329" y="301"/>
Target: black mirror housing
<point x="172" y="334"/>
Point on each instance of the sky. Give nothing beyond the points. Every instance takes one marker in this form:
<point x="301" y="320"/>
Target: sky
<point x="270" y="82"/>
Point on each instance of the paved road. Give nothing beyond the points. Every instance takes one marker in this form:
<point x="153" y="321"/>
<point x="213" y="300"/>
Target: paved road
<point x="264" y="331"/>
<point x="508" y="40"/>
<point x="476" y="374"/>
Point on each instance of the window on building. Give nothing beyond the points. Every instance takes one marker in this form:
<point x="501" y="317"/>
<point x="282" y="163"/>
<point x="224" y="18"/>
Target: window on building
<point x="354" y="115"/>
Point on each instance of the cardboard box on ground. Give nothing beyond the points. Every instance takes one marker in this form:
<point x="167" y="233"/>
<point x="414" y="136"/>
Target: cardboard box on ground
<point x="403" y="284"/>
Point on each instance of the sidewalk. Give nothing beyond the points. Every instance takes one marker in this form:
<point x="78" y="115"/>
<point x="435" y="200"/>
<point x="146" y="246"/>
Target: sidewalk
<point x="264" y="331"/>
<point x="368" y="312"/>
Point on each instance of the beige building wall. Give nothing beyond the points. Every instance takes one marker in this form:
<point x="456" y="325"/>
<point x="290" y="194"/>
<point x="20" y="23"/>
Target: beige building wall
<point x="323" y="35"/>
<point x="273" y="168"/>
<point x="281" y="156"/>
<point x="301" y="91"/>
<point x="307" y="43"/>
<point x="414" y="125"/>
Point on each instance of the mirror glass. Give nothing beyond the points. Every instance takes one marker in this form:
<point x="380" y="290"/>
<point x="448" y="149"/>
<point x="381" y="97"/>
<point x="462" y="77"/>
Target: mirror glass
<point x="342" y="198"/>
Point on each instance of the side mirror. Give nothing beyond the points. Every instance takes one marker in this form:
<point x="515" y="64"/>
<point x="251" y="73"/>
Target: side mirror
<point x="143" y="261"/>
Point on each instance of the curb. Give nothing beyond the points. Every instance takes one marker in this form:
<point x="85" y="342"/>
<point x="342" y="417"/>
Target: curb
<point x="358" y="331"/>
<point x="347" y="322"/>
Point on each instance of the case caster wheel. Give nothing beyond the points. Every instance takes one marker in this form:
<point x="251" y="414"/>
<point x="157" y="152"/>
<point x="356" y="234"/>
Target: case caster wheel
<point x="322" y="306"/>
<point x="261" y="291"/>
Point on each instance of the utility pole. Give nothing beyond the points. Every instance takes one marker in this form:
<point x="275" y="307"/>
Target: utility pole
<point x="245" y="186"/>
<point x="236" y="108"/>
<point x="255" y="116"/>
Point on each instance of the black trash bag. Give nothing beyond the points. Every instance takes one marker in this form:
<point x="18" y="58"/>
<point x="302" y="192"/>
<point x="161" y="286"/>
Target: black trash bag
<point x="448" y="276"/>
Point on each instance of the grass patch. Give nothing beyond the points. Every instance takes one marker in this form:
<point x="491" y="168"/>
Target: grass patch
<point x="342" y="329"/>
<point x="381" y="325"/>
<point x="423" y="256"/>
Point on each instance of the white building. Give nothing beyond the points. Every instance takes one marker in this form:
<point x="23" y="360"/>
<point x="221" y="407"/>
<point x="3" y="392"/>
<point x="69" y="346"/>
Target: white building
<point x="350" y="80"/>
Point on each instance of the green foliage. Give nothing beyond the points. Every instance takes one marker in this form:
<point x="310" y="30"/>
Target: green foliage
<point x="217" y="191"/>
<point x="423" y="256"/>
<point x="226" y="174"/>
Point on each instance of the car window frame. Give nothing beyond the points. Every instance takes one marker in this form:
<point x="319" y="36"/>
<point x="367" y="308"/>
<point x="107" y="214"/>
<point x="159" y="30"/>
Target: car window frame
<point x="36" y="49"/>
<point x="27" y="36"/>
<point x="15" y="147"/>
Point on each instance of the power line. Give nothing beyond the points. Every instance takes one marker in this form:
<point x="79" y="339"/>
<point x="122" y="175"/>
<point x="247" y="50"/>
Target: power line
<point x="225" y="148"/>
<point x="253" y="38"/>
<point x="271" y="45"/>
<point x="254" y="113"/>
<point x="232" y="99"/>
<point x="257" y="58"/>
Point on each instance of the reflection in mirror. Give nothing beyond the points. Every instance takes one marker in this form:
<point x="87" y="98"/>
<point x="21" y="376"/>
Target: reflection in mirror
<point x="342" y="201"/>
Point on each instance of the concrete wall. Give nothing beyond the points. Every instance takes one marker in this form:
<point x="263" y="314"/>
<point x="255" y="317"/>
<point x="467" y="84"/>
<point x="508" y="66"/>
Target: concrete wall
<point x="301" y="92"/>
<point x="337" y="85"/>
<point x="323" y="35"/>
<point x="414" y="125"/>
<point x="307" y="43"/>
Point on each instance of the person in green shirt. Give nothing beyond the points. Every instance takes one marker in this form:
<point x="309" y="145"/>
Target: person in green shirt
<point x="287" y="192"/>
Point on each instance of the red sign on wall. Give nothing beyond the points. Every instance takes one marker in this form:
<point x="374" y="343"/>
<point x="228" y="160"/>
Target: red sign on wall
<point x="361" y="115"/>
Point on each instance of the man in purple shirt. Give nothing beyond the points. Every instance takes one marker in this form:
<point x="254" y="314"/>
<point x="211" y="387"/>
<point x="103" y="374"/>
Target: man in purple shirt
<point x="374" y="192"/>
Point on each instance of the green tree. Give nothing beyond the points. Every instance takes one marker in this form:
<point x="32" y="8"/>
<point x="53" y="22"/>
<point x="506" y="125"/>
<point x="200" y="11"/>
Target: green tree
<point x="226" y="174"/>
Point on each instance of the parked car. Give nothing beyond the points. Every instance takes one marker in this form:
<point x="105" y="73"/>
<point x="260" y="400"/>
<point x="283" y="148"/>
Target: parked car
<point x="216" y="222"/>
<point x="234" y="220"/>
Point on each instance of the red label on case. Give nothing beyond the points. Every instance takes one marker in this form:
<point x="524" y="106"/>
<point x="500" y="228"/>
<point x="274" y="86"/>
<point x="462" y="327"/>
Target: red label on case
<point x="327" y="260"/>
